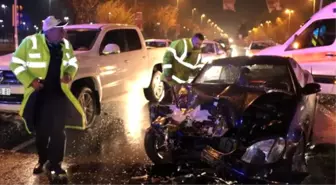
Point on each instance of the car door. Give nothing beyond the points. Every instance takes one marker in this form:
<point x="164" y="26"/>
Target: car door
<point x="112" y="67"/>
<point x="137" y="61"/>
<point x="315" y="48"/>
<point x="307" y="103"/>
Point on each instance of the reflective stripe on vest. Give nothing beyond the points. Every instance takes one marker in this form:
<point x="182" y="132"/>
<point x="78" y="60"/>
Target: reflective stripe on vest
<point x="34" y="40"/>
<point x="36" y="64"/>
<point x="68" y="55"/>
<point x="66" y="44"/>
<point x="178" y="80"/>
<point x="167" y="66"/>
<point x="17" y="60"/>
<point x="34" y="55"/>
<point x="18" y="70"/>
<point x="186" y="64"/>
<point x="184" y="55"/>
<point x="198" y="58"/>
<point x="71" y="62"/>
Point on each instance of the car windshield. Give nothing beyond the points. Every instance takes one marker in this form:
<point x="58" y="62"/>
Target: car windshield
<point x="82" y="39"/>
<point x="156" y="44"/>
<point x="257" y="75"/>
<point x="208" y="48"/>
<point x="261" y="45"/>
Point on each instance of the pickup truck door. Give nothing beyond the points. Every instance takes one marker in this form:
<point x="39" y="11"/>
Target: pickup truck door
<point x="137" y="63"/>
<point x="113" y="67"/>
<point x="315" y="48"/>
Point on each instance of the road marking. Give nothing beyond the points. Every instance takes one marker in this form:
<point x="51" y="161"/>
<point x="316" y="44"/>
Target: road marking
<point x="23" y="145"/>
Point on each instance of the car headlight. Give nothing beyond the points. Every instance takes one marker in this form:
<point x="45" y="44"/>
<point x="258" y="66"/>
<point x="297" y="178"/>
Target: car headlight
<point x="265" y="152"/>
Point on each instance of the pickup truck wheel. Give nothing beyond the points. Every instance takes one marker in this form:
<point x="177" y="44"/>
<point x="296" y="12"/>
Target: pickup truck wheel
<point x="87" y="100"/>
<point x="156" y="91"/>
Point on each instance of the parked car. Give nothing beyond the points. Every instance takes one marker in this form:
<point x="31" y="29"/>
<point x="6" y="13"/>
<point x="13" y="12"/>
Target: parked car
<point x="112" y="59"/>
<point x="257" y="46"/>
<point x="157" y="43"/>
<point x="251" y="117"/>
<point x="225" y="43"/>
<point x="314" y="47"/>
<point x="211" y="50"/>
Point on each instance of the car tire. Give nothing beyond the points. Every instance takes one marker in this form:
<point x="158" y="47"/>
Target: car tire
<point x="156" y="90"/>
<point x="88" y="101"/>
<point x="150" y="142"/>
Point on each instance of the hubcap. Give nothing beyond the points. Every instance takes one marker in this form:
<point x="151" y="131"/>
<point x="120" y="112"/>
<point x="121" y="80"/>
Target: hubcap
<point x="158" y="87"/>
<point x="86" y="102"/>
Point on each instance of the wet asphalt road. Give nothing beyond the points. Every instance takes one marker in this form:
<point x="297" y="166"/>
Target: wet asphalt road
<point x="104" y="154"/>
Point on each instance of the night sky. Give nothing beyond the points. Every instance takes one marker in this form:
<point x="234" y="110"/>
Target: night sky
<point x="251" y="11"/>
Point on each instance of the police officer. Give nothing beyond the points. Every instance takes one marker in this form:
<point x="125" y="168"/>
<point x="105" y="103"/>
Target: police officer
<point x="45" y="64"/>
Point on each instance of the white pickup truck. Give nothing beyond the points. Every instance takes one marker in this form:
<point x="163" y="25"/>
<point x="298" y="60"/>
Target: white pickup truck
<point x="112" y="59"/>
<point x="313" y="46"/>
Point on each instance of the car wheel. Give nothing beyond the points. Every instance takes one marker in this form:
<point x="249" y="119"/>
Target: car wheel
<point x="155" y="148"/>
<point x="156" y="91"/>
<point x="87" y="100"/>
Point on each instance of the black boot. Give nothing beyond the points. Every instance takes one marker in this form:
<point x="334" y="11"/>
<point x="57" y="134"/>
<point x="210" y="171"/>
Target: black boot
<point x="38" y="169"/>
<point x="57" y="172"/>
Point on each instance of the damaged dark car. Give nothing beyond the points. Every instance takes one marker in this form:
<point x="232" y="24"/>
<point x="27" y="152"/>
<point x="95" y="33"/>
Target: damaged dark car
<point x="249" y="118"/>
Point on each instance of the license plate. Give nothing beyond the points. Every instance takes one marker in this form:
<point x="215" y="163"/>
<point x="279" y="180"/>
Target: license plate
<point x="5" y="91"/>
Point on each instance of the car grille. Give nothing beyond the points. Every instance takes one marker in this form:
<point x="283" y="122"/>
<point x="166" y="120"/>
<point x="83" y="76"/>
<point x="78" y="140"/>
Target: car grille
<point x="12" y="99"/>
<point x="8" y="78"/>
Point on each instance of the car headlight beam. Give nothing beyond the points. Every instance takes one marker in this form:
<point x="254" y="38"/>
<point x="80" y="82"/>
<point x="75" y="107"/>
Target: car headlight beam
<point x="265" y="152"/>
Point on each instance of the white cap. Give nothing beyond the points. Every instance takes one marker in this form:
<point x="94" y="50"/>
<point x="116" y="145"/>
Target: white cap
<point x="51" y="22"/>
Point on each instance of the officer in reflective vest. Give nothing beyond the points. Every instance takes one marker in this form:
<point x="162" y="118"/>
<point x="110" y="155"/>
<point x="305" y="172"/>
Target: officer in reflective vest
<point x="45" y="64"/>
<point x="181" y="59"/>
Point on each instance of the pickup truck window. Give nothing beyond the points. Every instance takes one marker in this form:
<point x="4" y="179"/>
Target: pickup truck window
<point x="133" y="40"/>
<point x="82" y="40"/>
<point x="114" y="37"/>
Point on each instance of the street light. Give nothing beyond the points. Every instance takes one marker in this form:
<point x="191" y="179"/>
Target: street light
<point x="203" y="15"/>
<point x="289" y="12"/>
<point x="314" y="4"/>
<point x="109" y="15"/>
<point x="193" y="12"/>
<point x="1" y="21"/>
<point x="66" y="18"/>
<point x="4" y="7"/>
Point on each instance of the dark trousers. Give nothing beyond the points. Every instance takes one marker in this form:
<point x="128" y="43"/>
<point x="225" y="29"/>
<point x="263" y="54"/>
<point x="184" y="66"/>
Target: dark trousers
<point x="50" y="135"/>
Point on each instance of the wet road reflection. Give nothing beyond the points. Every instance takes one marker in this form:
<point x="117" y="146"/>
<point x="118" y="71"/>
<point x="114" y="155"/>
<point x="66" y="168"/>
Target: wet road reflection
<point x="112" y="151"/>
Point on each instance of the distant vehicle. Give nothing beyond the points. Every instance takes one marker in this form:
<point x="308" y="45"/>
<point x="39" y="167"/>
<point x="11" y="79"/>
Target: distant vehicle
<point x="157" y="43"/>
<point x="225" y="43"/>
<point x="314" y="47"/>
<point x="257" y="46"/>
<point x="111" y="57"/>
<point x="212" y="50"/>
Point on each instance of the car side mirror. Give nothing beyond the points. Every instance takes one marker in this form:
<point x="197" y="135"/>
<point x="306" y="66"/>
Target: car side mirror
<point x="311" y="88"/>
<point x="111" y="49"/>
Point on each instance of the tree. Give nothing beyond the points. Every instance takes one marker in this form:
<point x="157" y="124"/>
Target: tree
<point x="83" y="10"/>
<point x="115" y="12"/>
<point x="166" y="16"/>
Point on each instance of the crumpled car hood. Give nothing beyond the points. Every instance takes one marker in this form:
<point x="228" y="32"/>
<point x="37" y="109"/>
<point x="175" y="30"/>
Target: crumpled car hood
<point x="240" y="96"/>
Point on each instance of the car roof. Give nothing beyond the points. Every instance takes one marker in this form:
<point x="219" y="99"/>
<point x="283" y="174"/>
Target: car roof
<point x="157" y="40"/>
<point x="328" y="11"/>
<point x="98" y="26"/>
<point x="243" y="60"/>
